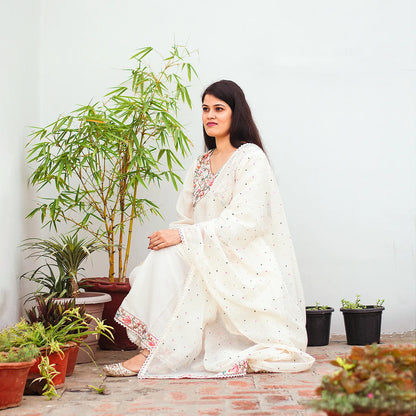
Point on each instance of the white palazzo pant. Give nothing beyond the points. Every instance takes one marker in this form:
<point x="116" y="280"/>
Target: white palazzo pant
<point x="156" y="286"/>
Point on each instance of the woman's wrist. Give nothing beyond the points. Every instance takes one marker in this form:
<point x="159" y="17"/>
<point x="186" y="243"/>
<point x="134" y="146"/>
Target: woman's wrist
<point x="180" y="234"/>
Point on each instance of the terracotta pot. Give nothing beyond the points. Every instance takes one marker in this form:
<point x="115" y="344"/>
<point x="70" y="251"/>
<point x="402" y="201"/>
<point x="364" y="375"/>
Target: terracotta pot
<point x="72" y="358"/>
<point x="94" y="305"/>
<point x="12" y="382"/>
<point x="60" y="361"/>
<point x="118" y="292"/>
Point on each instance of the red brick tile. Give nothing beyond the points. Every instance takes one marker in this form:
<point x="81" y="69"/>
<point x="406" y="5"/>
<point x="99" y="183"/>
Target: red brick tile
<point x="289" y="407"/>
<point x="250" y="392"/>
<point x="178" y="395"/>
<point x="245" y="404"/>
<point x="211" y="412"/>
<point x="209" y="390"/>
<point x="277" y="398"/>
<point x="104" y="407"/>
<point x="307" y="393"/>
<point x="222" y="397"/>
<point x="288" y="386"/>
<point x="241" y="383"/>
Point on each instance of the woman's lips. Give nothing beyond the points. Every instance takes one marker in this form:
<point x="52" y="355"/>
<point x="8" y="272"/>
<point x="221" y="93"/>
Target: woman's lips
<point x="211" y="124"/>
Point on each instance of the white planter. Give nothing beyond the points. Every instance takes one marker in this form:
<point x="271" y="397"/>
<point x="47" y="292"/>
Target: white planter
<point x="94" y="305"/>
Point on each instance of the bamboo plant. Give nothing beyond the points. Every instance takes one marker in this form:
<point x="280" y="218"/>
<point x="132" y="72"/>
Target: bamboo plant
<point x="100" y="158"/>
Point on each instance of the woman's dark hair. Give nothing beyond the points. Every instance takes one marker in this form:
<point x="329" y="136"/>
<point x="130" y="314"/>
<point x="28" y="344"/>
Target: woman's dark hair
<point x="243" y="129"/>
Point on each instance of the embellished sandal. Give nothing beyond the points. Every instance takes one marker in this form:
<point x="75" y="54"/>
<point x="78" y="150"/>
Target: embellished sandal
<point x="118" y="370"/>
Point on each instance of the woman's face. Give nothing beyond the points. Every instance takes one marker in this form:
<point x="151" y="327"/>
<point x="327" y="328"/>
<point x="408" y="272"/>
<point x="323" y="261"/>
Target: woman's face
<point x="216" y="117"/>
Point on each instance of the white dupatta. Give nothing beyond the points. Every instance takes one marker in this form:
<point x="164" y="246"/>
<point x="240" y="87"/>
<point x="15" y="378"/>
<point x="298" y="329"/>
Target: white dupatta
<point x="235" y="300"/>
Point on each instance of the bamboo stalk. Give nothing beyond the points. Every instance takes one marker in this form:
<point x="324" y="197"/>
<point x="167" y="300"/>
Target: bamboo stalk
<point x="130" y="232"/>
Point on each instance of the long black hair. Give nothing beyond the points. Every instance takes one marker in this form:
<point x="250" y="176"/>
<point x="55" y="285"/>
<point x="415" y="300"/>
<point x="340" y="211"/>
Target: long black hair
<point x="243" y="129"/>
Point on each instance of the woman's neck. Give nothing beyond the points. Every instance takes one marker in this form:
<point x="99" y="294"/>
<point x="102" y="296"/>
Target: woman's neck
<point x="223" y="145"/>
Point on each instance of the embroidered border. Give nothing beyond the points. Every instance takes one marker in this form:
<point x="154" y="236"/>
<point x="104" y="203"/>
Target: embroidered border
<point x="137" y="326"/>
<point x="239" y="369"/>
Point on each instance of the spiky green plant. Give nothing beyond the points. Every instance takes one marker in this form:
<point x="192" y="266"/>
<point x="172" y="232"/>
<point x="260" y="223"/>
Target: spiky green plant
<point x="62" y="258"/>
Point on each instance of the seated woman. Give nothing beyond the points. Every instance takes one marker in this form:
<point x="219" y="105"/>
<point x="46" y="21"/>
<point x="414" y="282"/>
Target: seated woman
<point x="219" y="295"/>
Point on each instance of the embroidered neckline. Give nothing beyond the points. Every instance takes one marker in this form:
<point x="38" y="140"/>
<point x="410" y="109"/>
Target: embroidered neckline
<point x="203" y="176"/>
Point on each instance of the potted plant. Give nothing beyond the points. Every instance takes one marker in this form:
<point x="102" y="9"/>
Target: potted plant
<point x="377" y="380"/>
<point x="62" y="258"/>
<point x="362" y="322"/>
<point x="15" y="363"/>
<point x="50" y="312"/>
<point x="318" y="324"/>
<point x="101" y="158"/>
<point x="53" y="341"/>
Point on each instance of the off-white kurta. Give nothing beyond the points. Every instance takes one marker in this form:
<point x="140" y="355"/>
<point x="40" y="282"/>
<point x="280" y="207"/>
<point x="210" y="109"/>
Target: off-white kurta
<point x="228" y="299"/>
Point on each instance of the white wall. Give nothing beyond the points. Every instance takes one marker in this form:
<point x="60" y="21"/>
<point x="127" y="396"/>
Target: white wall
<point x="332" y="87"/>
<point x="19" y="29"/>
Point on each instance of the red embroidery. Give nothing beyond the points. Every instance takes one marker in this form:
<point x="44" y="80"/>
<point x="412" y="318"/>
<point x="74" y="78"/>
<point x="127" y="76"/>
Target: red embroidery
<point x="137" y="326"/>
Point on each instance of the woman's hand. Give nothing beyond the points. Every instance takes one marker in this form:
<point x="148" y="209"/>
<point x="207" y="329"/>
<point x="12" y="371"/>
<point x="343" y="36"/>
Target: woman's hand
<point x="164" y="238"/>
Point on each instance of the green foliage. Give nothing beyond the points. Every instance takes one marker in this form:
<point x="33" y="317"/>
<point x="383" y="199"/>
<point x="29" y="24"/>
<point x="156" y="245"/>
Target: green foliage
<point x="50" y="312"/>
<point x="379" y="303"/>
<point x="47" y="373"/>
<point x="62" y="257"/>
<point x="10" y="354"/>
<point x="99" y="390"/>
<point x="70" y="326"/>
<point x="357" y="303"/>
<point x="352" y="305"/>
<point x="317" y="307"/>
<point x="374" y="377"/>
<point x="97" y="160"/>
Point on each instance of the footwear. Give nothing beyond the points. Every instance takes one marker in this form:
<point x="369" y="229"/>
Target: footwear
<point x="118" y="370"/>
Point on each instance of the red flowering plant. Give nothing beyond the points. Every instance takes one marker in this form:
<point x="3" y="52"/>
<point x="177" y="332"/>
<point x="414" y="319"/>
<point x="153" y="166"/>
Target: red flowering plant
<point x="375" y="379"/>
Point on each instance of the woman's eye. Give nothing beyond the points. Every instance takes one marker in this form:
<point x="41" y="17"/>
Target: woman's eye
<point x="219" y="109"/>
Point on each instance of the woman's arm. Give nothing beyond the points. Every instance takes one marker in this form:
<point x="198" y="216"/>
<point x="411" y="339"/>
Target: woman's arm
<point x="184" y="207"/>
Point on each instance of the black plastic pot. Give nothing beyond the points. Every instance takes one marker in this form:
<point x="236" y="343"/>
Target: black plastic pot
<point x="318" y="325"/>
<point x="363" y="326"/>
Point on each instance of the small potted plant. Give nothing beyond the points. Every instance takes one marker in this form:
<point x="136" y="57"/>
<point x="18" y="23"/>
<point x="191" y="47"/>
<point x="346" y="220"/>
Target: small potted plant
<point x="50" y="312"/>
<point x="57" y="277"/>
<point x="376" y="380"/>
<point x="62" y="258"/>
<point x="53" y="341"/>
<point x="318" y="324"/>
<point x="15" y="363"/>
<point x="362" y="322"/>
<point x="101" y="158"/>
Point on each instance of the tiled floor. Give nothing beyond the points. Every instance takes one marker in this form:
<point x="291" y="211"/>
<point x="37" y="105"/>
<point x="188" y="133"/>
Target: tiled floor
<point x="254" y="394"/>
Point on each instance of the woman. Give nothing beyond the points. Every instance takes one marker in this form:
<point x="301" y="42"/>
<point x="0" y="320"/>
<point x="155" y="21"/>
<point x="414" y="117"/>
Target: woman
<point x="220" y="294"/>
